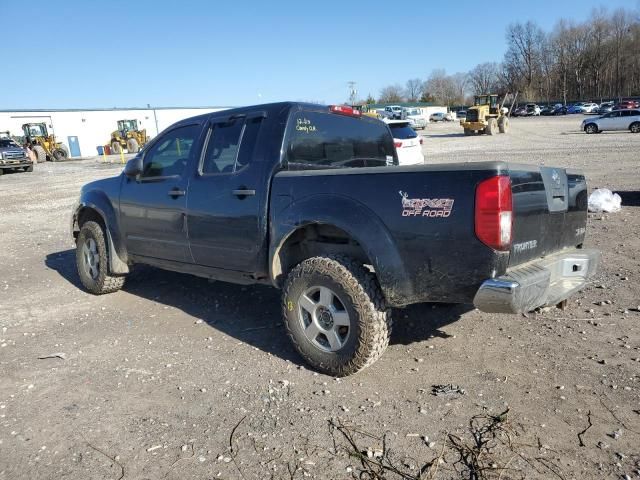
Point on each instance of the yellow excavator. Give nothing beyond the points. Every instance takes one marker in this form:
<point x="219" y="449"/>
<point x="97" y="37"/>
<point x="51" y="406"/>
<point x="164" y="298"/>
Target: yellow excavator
<point x="128" y="136"/>
<point x="486" y="116"/>
<point x="43" y="144"/>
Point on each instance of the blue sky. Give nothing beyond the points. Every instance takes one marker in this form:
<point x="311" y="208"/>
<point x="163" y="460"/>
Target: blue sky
<point x="82" y="54"/>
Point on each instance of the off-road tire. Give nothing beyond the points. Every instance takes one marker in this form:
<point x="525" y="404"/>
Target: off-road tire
<point x="132" y="146"/>
<point x="503" y="124"/>
<point x="104" y="282"/>
<point x="468" y="132"/>
<point x="60" y="154"/>
<point x="116" y="148"/>
<point x="41" y="155"/>
<point x="358" y="289"/>
<point x="634" y="127"/>
<point x="492" y="126"/>
<point x="591" y="128"/>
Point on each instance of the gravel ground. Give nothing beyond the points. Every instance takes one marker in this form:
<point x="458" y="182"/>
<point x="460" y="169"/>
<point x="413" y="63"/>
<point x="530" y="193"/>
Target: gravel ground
<point x="180" y="378"/>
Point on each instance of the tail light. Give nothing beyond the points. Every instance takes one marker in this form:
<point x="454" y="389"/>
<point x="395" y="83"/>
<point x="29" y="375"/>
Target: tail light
<point x="494" y="212"/>
<point x="345" y="110"/>
<point x="397" y="144"/>
<point x="421" y="141"/>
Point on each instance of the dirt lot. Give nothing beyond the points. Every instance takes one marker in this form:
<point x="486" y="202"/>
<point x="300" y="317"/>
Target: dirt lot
<point x="180" y="378"/>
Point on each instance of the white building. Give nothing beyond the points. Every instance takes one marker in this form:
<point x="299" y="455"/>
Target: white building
<point x="93" y="127"/>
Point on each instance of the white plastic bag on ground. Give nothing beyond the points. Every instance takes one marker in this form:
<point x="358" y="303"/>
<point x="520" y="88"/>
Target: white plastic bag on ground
<point x="604" y="200"/>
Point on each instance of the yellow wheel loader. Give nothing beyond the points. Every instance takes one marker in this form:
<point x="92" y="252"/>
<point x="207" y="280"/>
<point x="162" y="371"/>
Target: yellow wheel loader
<point x="486" y="116"/>
<point x="43" y="144"/>
<point x="128" y="136"/>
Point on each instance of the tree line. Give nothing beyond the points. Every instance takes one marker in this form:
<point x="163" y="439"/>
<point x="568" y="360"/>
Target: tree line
<point x="594" y="60"/>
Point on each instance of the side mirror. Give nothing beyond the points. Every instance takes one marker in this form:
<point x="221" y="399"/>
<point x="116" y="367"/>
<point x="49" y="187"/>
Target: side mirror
<point x="133" y="168"/>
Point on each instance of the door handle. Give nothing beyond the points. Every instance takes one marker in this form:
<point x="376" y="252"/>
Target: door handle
<point x="177" y="193"/>
<point x="244" y="192"/>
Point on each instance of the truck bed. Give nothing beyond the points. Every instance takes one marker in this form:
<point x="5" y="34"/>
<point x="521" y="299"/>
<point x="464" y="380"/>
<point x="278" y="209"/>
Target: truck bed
<point x="416" y="223"/>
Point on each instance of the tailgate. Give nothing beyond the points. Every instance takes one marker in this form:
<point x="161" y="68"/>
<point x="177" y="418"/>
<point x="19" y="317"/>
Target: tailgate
<point x="550" y="211"/>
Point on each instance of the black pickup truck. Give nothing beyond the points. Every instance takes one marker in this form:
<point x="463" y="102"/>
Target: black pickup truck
<point x="310" y="199"/>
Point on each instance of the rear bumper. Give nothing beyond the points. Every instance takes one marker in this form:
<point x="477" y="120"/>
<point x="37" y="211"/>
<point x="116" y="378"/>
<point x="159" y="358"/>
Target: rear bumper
<point x="547" y="281"/>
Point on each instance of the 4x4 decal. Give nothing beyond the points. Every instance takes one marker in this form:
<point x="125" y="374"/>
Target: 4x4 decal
<point x="426" y="207"/>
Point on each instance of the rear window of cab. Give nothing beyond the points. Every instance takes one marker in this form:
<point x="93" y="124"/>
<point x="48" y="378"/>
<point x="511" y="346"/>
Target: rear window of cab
<point x="402" y="131"/>
<point x="317" y="140"/>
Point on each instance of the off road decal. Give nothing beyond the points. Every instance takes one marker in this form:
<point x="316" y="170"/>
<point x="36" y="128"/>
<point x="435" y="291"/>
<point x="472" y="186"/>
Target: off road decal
<point x="426" y="207"/>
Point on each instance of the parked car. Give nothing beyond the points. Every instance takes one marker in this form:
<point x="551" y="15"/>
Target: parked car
<point x="605" y="107"/>
<point x="519" y="112"/>
<point x="616" y="120"/>
<point x="393" y="112"/>
<point x="417" y="119"/>
<point x="13" y="156"/>
<point x="274" y="194"/>
<point x="589" y="107"/>
<point x="441" y="117"/>
<point x="559" y="109"/>
<point x="532" y="110"/>
<point x="626" y="104"/>
<point x="407" y="142"/>
<point x="576" y="108"/>
<point x="546" y="110"/>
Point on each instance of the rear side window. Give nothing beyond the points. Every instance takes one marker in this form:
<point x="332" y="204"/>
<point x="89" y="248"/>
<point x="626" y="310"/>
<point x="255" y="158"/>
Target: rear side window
<point x="328" y="140"/>
<point x="402" y="131"/>
<point x="230" y="146"/>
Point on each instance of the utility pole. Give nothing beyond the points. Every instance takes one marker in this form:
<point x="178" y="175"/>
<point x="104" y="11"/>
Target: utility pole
<point x="352" y="92"/>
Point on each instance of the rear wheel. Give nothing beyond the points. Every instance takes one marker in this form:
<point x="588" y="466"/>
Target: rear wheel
<point x="591" y="128"/>
<point x="132" y="145"/>
<point x="635" y="127"/>
<point x="92" y="261"/>
<point x="335" y="314"/>
<point x="116" y="148"/>
<point x="503" y="124"/>
<point x="41" y="155"/>
<point x="468" y="131"/>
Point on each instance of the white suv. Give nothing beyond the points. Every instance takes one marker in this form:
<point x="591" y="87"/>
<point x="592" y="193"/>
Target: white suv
<point x="616" y="120"/>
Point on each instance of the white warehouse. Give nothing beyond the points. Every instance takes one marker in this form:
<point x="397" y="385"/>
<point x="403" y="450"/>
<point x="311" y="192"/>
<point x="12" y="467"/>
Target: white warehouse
<point x="82" y="131"/>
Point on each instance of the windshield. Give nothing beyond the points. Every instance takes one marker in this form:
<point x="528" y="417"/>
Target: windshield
<point x="36" y="131"/>
<point x="326" y="140"/>
<point x="481" y="100"/>
<point x="413" y="111"/>
<point x="5" y="142"/>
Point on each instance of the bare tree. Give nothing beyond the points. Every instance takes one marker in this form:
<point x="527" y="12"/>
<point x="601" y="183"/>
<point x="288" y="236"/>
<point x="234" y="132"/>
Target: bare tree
<point x="413" y="90"/>
<point x="391" y="94"/>
<point x="484" y="77"/>
<point x="523" y="54"/>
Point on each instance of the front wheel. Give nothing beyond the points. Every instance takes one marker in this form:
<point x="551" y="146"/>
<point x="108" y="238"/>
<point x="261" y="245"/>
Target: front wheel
<point x="335" y="314"/>
<point x="591" y="128"/>
<point x="60" y="154"/>
<point x="132" y="145"/>
<point x="92" y="261"/>
<point x="635" y="127"/>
